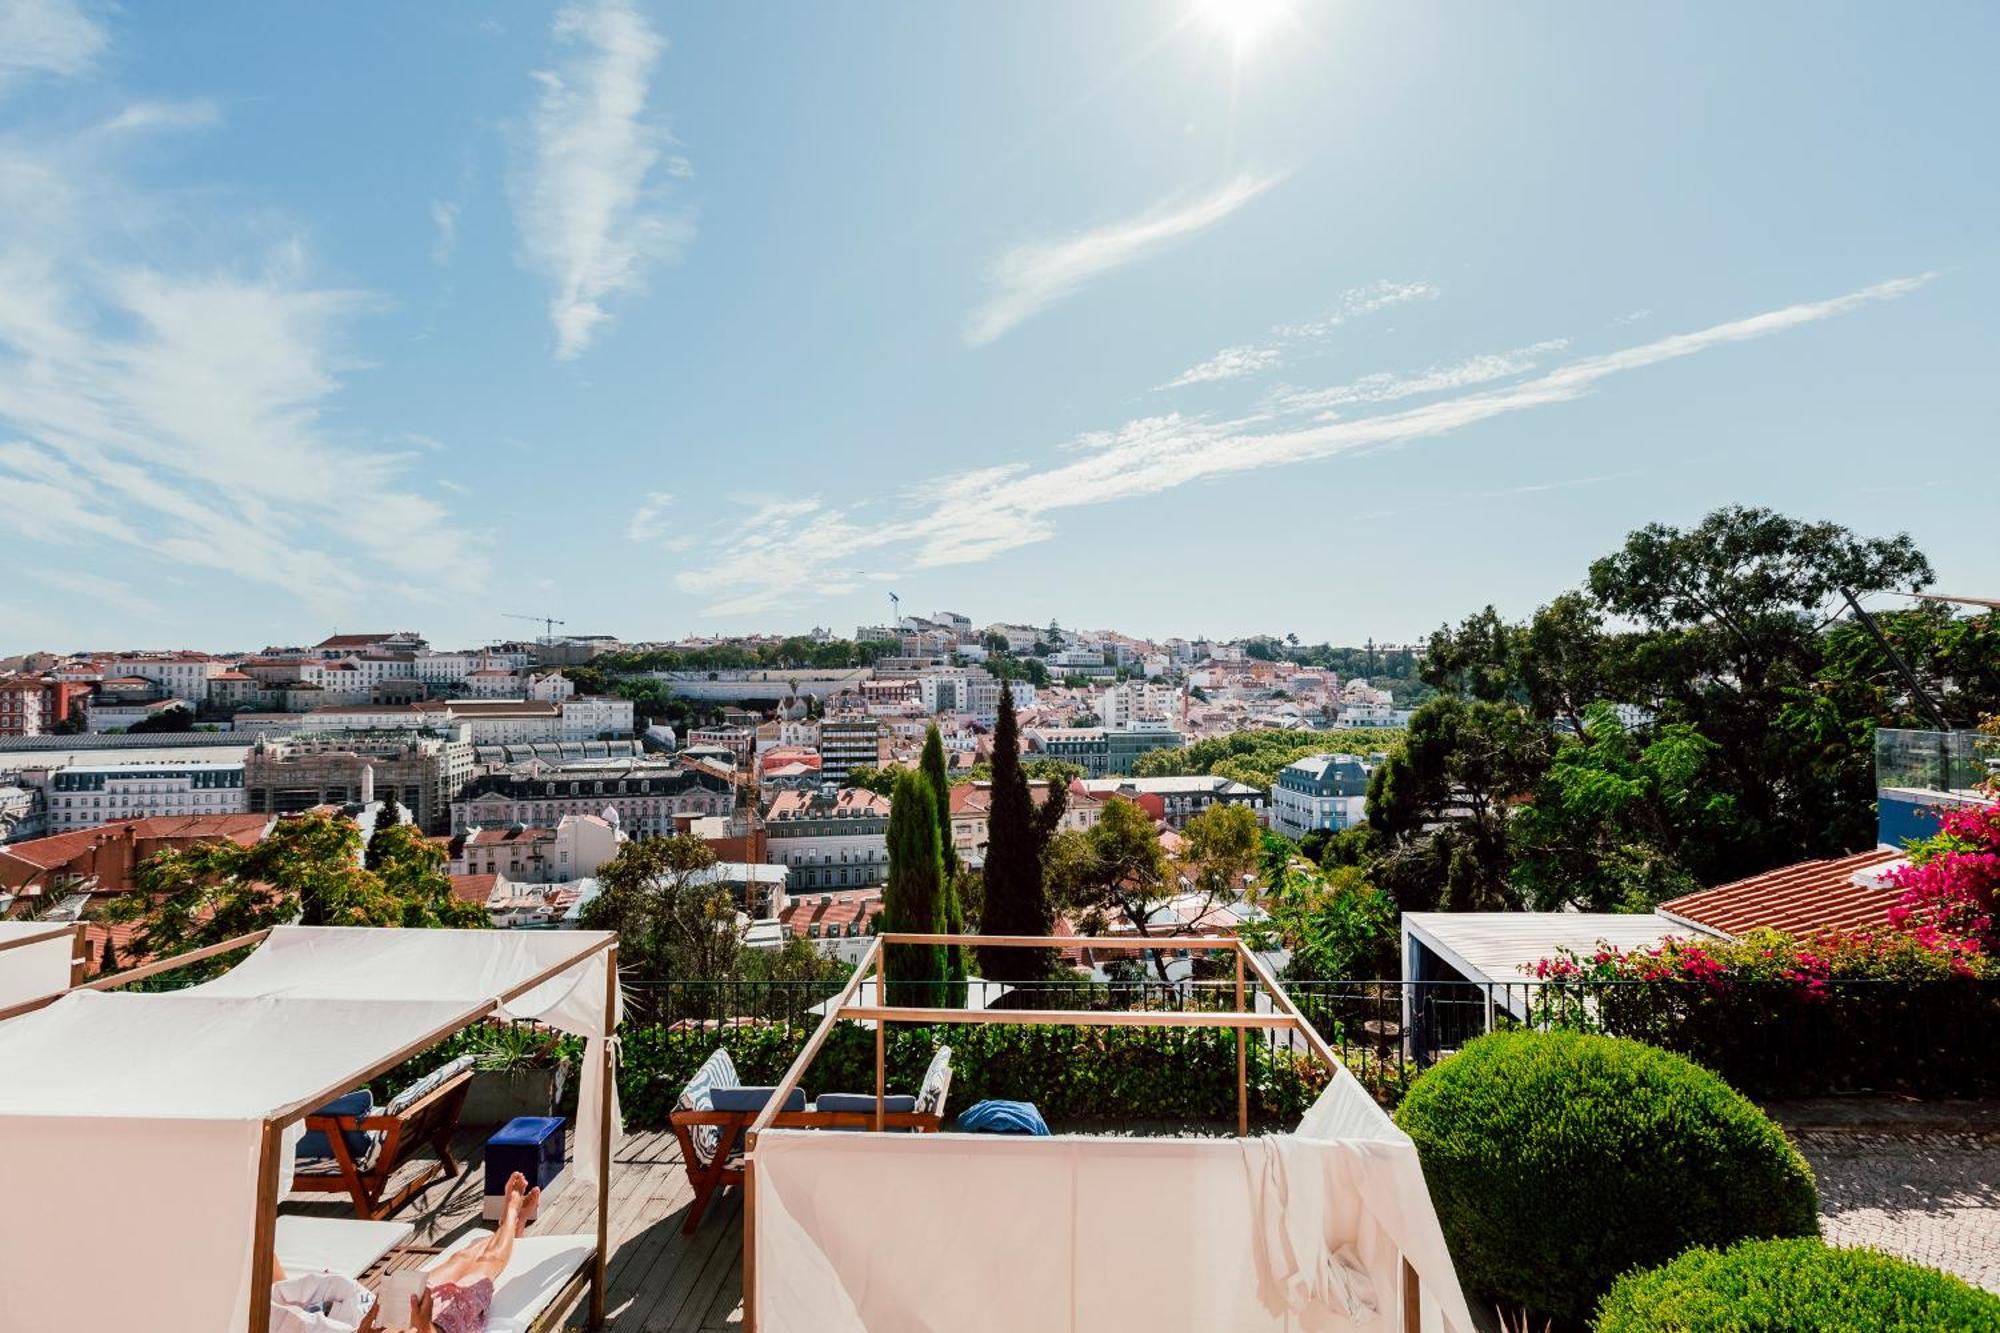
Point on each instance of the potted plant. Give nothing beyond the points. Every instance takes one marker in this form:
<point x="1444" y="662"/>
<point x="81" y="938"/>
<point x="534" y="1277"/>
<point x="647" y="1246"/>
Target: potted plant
<point x="519" y="1069"/>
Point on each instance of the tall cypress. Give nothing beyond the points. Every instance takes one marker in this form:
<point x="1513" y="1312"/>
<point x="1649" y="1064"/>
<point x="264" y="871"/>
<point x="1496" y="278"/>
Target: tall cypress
<point x="1017" y="900"/>
<point x="932" y="768"/>
<point x="913" y="899"/>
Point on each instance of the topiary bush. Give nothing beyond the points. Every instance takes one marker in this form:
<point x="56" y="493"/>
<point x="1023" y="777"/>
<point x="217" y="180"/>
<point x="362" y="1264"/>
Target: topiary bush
<point x="1793" y="1286"/>
<point x="1559" y="1160"/>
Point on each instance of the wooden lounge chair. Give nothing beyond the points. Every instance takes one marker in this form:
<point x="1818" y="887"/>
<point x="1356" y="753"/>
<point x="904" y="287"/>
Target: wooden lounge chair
<point x="714" y="1111"/>
<point x="366" y="1149"/>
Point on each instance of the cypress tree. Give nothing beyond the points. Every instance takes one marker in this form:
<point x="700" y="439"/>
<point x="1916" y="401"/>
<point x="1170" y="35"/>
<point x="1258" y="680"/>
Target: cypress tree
<point x="913" y="899"/>
<point x="1017" y="900"/>
<point x="932" y="768"/>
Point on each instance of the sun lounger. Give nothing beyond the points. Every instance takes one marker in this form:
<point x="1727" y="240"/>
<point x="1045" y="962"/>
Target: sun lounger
<point x="340" y="1245"/>
<point x="714" y="1111"/>
<point x="349" y="1149"/>
<point x="541" y="1283"/>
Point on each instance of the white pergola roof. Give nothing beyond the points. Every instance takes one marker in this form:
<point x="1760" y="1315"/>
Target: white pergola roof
<point x="160" y="1125"/>
<point x="1499" y="948"/>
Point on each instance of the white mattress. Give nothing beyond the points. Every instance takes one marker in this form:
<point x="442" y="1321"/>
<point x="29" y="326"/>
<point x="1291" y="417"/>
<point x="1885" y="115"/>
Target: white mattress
<point x="540" y="1267"/>
<point x="344" y="1245"/>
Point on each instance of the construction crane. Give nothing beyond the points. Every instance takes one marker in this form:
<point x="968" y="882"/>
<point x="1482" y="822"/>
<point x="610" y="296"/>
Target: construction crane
<point x="548" y="623"/>
<point x="895" y="611"/>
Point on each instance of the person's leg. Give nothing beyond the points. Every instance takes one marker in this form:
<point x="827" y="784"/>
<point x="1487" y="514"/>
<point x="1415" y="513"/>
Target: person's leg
<point x="487" y="1258"/>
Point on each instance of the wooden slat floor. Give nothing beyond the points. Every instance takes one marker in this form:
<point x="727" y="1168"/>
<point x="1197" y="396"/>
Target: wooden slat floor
<point x="660" y="1281"/>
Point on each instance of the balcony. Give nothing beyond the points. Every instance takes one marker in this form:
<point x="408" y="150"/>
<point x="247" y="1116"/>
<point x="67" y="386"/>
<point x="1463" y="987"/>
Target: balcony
<point x="1917" y="771"/>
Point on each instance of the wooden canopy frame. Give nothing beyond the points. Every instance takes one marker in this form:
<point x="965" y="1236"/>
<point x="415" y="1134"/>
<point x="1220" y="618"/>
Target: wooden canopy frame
<point x="264" y="1255"/>
<point x="1284" y="1016"/>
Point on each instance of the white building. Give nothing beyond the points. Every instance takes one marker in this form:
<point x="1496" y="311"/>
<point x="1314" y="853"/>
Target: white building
<point x="573" y="849"/>
<point x="1181" y="798"/>
<point x="182" y="675"/>
<point x="86" y="795"/>
<point x="828" y="839"/>
<point x="1321" y="791"/>
<point x="106" y="715"/>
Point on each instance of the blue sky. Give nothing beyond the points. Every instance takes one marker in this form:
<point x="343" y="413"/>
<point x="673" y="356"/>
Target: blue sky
<point x="1172" y="317"/>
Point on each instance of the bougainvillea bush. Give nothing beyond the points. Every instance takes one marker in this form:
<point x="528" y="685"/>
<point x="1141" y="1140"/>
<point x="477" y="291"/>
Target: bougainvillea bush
<point x="1888" y="1010"/>
<point x="1950" y="885"/>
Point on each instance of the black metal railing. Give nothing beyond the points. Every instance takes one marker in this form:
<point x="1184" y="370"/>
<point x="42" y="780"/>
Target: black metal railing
<point x="1771" y="1039"/>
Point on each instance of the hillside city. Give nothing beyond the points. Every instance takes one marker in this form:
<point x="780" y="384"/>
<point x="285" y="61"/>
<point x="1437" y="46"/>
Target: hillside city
<point x="1156" y="666"/>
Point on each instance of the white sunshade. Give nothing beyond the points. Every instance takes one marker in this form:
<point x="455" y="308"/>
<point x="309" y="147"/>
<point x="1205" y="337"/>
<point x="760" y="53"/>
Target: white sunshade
<point x="34" y="959"/>
<point x="864" y="1231"/>
<point x="138" y="1120"/>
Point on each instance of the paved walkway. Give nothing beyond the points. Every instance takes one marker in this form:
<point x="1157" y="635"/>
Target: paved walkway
<point x="1920" y="1183"/>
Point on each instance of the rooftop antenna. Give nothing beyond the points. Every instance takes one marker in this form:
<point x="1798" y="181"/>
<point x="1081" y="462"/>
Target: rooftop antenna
<point x="895" y="611"/>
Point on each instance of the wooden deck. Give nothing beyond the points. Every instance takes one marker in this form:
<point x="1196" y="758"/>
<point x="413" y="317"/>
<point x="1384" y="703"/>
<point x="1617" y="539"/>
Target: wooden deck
<point x="660" y="1280"/>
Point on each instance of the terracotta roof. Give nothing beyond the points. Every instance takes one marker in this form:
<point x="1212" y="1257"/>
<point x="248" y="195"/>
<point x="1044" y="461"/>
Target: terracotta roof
<point x="473" y="888"/>
<point x="829" y="911"/>
<point x="1800" y="899"/>
<point x="59" y="849"/>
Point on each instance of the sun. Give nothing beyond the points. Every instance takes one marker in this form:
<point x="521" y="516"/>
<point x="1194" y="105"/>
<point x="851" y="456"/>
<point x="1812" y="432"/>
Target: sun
<point x="1245" y="23"/>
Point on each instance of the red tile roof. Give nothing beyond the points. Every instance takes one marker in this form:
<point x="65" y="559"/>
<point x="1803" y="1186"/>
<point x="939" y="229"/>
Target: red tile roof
<point x="831" y="912"/>
<point x="1801" y="899"/>
<point x="473" y="888"/>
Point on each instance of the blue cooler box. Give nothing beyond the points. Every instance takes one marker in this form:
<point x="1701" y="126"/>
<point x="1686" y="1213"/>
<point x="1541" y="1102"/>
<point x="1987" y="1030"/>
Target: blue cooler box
<point x="530" y="1144"/>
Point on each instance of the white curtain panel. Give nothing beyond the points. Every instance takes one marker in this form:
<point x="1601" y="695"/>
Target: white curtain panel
<point x="30" y="971"/>
<point x="913" y="1233"/>
<point x="130" y="1132"/>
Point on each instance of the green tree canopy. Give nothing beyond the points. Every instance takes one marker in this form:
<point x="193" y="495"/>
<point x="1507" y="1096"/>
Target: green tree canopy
<point x="913" y="898"/>
<point x="1015" y="899"/>
<point x="672" y="921"/>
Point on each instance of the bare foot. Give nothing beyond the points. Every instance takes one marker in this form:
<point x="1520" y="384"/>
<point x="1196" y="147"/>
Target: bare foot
<point x="517" y="1185"/>
<point x="529" y="1203"/>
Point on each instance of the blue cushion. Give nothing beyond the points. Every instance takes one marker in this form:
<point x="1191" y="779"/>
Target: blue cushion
<point x="359" y="1102"/>
<point x="899" y="1104"/>
<point x="998" y="1117"/>
<point x="752" y="1099"/>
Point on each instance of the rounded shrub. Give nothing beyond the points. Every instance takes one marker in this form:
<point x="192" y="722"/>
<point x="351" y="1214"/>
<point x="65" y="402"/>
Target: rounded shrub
<point x="1559" y="1160"/>
<point x="1793" y="1286"/>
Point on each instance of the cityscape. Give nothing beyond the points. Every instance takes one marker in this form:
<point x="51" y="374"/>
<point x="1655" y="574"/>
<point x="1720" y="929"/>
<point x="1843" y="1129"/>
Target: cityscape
<point x="1165" y="666"/>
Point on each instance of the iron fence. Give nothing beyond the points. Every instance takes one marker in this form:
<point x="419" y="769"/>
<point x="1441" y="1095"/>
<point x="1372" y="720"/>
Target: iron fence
<point x="1769" y="1039"/>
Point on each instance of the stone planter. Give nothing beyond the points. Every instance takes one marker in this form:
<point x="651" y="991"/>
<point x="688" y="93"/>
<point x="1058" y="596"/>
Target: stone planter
<point x="498" y="1095"/>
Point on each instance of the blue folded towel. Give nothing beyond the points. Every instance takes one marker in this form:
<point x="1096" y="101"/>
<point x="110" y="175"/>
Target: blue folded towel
<point x="1000" y="1117"/>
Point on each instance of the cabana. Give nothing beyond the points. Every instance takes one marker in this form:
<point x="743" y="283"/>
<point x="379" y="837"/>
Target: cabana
<point x="38" y="960"/>
<point x="1328" y="1227"/>
<point x="161" y="1126"/>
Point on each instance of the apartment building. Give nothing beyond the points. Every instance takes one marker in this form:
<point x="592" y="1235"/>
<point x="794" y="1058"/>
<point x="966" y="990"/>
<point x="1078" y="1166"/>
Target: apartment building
<point x="848" y="742"/>
<point x="646" y="797"/>
<point x="84" y="795"/>
<point x="422" y="773"/>
<point x="829" y="838"/>
<point x="1320" y="791"/>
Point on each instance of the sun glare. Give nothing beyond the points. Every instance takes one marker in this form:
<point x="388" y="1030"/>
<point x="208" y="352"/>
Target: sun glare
<point x="1244" y="23"/>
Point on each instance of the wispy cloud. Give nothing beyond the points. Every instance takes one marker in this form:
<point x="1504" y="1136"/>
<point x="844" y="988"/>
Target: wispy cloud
<point x="444" y="230"/>
<point x="590" y="212"/>
<point x="1250" y="358"/>
<point x="46" y="37"/>
<point x="649" y="520"/>
<point x="197" y="113"/>
<point x="1385" y="387"/>
<point x="1029" y="277"/>
<point x="978" y="515"/>
<point x="178" y="408"/>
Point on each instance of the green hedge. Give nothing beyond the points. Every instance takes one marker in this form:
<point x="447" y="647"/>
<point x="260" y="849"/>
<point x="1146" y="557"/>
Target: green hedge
<point x="1559" y="1160"/>
<point x="1793" y="1286"/>
<point x="1070" y="1073"/>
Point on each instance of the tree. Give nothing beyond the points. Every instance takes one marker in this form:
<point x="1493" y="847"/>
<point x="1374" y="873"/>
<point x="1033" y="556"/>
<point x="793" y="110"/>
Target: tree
<point x="1015" y="898"/>
<point x="1609" y="821"/>
<point x="913" y="898"/>
<point x="1224" y="847"/>
<point x="1337" y="926"/>
<point x="938" y="779"/>
<point x="390" y="816"/>
<point x="673" y="920"/>
<point x="1115" y="868"/>
<point x="176" y="719"/>
<point x="307" y="869"/>
<point x="1442" y="799"/>
<point x="1478" y="660"/>
<point x="881" y="781"/>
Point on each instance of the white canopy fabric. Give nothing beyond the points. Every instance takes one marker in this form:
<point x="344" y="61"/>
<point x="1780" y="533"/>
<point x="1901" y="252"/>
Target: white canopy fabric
<point x="464" y="966"/>
<point x="131" y="1125"/>
<point x="131" y="1128"/>
<point x="882" y="1232"/>
<point x="34" y="960"/>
